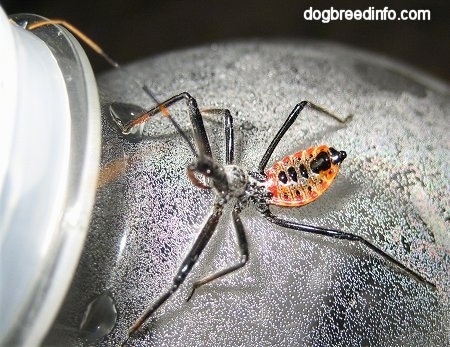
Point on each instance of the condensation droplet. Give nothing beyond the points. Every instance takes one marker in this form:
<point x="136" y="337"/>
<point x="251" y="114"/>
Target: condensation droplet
<point x="99" y="318"/>
<point x="122" y="114"/>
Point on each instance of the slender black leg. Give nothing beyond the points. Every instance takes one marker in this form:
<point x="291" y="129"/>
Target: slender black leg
<point x="287" y="124"/>
<point x="340" y="235"/>
<point x="195" y="116"/>
<point x="185" y="268"/>
<point x="285" y="127"/>
<point x="229" y="139"/>
<point x="229" y="132"/>
<point x="242" y="248"/>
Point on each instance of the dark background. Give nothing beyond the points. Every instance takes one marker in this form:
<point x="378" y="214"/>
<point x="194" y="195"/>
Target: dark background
<point x="129" y="30"/>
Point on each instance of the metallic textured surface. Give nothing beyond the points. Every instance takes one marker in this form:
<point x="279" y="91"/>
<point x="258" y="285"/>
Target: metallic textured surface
<point x="296" y="289"/>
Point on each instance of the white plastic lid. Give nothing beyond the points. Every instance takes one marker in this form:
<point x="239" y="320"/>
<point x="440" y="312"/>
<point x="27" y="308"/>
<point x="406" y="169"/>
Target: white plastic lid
<point x="50" y="148"/>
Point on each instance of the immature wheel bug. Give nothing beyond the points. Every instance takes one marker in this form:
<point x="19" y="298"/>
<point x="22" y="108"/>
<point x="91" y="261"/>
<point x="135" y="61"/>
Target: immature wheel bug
<point x="293" y="181"/>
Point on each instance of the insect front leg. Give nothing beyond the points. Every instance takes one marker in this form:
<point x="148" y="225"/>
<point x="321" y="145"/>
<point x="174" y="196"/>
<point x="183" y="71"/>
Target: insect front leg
<point x="242" y="248"/>
<point x="185" y="268"/>
<point x="287" y="124"/>
<point x="195" y="117"/>
<point x="337" y="234"/>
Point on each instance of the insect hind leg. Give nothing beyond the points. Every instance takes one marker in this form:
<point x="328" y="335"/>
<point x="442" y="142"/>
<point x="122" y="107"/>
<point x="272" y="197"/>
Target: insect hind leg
<point x="337" y="234"/>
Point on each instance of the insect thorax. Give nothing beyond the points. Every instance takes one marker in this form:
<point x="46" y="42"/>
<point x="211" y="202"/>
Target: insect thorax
<point x="237" y="180"/>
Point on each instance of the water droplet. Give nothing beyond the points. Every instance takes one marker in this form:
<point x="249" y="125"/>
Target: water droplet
<point x="99" y="318"/>
<point x="122" y="114"/>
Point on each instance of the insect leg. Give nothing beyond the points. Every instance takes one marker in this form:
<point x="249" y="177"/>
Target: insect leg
<point x="229" y="138"/>
<point x="195" y="116"/>
<point x="185" y="268"/>
<point x="229" y="133"/>
<point x="242" y="248"/>
<point x="287" y="124"/>
<point x="343" y="236"/>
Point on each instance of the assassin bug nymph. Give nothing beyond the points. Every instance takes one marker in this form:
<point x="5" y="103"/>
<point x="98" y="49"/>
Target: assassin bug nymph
<point x="293" y="181"/>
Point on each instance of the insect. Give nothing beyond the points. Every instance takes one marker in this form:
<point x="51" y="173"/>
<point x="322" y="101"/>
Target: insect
<point x="293" y="181"/>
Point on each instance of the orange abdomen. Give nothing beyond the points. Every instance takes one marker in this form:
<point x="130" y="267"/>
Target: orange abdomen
<point x="302" y="177"/>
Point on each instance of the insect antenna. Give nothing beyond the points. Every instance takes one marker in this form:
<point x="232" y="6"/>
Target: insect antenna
<point x="78" y="33"/>
<point x="166" y="113"/>
<point x="96" y="48"/>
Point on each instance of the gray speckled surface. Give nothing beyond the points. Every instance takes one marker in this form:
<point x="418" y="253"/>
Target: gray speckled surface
<point x="297" y="289"/>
